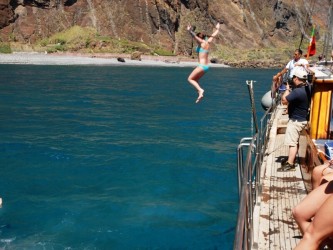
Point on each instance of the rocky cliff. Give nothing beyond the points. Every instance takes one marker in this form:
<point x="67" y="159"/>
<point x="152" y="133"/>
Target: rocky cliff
<point x="246" y="23"/>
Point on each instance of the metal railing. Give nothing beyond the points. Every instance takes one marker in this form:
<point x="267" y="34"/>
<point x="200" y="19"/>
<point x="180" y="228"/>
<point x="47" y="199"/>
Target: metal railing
<point x="250" y="154"/>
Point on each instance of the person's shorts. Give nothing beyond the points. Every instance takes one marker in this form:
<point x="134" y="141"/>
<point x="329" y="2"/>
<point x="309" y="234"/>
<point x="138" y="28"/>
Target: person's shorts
<point x="294" y="129"/>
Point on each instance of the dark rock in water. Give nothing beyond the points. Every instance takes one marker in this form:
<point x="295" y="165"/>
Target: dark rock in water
<point x="120" y="59"/>
<point x="214" y="60"/>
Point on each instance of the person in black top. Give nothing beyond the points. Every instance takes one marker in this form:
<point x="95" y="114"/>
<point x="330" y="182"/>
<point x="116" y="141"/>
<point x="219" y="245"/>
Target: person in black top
<point x="298" y="101"/>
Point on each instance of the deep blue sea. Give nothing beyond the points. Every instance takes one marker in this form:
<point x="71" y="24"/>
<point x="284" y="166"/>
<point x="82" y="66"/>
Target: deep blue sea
<point x="108" y="157"/>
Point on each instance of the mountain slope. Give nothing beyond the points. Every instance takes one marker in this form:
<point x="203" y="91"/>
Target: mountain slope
<point x="246" y="23"/>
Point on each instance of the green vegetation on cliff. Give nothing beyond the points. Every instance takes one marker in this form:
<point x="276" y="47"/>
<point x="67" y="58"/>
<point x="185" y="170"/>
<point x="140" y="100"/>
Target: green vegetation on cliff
<point x="5" y="48"/>
<point x="88" y="40"/>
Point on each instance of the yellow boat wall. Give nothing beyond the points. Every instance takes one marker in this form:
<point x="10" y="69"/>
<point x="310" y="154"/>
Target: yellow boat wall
<point x="321" y="107"/>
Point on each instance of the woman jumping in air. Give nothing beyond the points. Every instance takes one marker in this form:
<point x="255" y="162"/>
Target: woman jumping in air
<point x="202" y="50"/>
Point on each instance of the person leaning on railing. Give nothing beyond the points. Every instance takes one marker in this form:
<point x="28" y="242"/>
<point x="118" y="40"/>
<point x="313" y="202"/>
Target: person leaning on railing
<point x="297" y="61"/>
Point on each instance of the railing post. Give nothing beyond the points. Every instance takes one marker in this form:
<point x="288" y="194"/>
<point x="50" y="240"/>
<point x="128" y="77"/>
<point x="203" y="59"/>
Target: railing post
<point x="253" y="106"/>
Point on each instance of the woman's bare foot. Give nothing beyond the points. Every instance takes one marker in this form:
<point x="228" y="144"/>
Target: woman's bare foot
<point x="200" y="95"/>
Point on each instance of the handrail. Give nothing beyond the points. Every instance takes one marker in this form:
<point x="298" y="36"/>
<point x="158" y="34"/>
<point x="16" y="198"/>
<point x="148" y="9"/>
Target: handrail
<point x="245" y="142"/>
<point x="243" y="234"/>
<point x="249" y="178"/>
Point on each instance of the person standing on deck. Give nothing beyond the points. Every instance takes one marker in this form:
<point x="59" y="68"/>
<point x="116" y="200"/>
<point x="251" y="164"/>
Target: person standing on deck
<point x="298" y="101"/>
<point x="289" y="69"/>
<point x="202" y="50"/>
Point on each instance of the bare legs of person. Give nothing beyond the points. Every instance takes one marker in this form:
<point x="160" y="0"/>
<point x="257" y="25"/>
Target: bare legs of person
<point x="307" y="208"/>
<point x="320" y="228"/>
<point x="193" y="79"/>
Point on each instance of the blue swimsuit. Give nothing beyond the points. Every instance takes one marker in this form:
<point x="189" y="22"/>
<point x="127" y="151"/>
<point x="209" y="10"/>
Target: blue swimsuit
<point x="201" y="50"/>
<point x="203" y="66"/>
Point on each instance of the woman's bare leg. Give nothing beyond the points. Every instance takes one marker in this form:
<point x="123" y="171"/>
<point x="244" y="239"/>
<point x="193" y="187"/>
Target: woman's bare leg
<point x="320" y="228"/>
<point x="307" y="208"/>
<point x="193" y="79"/>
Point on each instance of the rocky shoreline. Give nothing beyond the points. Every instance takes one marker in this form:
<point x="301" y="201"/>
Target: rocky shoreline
<point x="257" y="64"/>
<point x="36" y="58"/>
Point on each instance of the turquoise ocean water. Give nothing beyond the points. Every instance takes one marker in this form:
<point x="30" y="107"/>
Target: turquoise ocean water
<point x="96" y="157"/>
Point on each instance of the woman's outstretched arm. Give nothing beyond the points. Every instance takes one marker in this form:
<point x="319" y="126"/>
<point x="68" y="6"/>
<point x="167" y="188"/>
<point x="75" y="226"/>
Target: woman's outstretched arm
<point x="189" y="29"/>
<point x="217" y="27"/>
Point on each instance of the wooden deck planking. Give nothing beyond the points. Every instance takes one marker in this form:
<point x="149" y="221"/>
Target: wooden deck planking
<point x="275" y="227"/>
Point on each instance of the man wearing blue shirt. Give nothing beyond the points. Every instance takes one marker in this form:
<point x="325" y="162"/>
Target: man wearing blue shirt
<point x="298" y="101"/>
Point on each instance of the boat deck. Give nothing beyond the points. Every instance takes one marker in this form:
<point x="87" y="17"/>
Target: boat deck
<point x="275" y="227"/>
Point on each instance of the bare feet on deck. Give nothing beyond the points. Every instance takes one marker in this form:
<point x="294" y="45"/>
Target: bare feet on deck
<point x="200" y="92"/>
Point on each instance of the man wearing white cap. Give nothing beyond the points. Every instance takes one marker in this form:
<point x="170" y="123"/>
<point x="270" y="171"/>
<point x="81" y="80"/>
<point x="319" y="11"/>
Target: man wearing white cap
<point x="298" y="101"/>
<point x="288" y="71"/>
